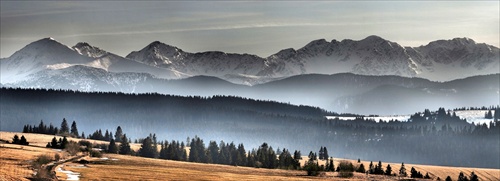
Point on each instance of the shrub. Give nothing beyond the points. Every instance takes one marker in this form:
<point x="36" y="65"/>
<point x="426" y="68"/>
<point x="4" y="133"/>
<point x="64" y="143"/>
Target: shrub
<point x="346" y="169"/>
<point x="94" y="153"/>
<point x="86" y="144"/>
<point x="57" y="156"/>
<point x="312" y="168"/>
<point x="72" y="148"/>
<point x="43" y="159"/>
<point x="346" y="166"/>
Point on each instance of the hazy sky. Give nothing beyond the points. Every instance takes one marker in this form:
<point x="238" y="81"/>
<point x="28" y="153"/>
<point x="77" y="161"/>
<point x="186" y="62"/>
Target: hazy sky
<point x="261" y="28"/>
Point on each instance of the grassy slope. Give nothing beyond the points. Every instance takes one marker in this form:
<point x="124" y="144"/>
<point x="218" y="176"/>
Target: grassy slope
<point x="41" y="140"/>
<point x="14" y="160"/>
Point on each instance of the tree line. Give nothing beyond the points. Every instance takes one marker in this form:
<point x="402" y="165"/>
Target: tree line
<point x="416" y="140"/>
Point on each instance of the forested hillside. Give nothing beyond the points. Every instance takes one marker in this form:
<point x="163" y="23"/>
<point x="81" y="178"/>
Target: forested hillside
<point x="440" y="137"/>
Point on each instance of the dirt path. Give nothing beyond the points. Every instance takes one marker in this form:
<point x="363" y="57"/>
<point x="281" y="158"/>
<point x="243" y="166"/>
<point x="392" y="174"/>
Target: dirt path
<point x="55" y="168"/>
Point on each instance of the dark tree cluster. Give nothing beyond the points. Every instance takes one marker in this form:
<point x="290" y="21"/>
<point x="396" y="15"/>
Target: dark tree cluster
<point x="124" y="148"/>
<point x="62" y="143"/>
<point x="98" y="135"/>
<point x="148" y="148"/>
<point x="20" y="141"/>
<point x="323" y="153"/>
<point x="43" y="128"/>
<point x="286" y="161"/>
<point x="222" y="153"/>
<point x="173" y="151"/>
<point x="495" y="115"/>
<point x="376" y="169"/>
<point x="416" y="174"/>
<point x="483" y="108"/>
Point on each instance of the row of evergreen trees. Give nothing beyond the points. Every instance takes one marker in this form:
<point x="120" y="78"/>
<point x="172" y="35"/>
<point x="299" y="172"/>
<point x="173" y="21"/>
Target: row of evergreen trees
<point x="62" y="143"/>
<point x="43" y="128"/>
<point x="107" y="136"/>
<point x="222" y="153"/>
<point x="494" y="116"/>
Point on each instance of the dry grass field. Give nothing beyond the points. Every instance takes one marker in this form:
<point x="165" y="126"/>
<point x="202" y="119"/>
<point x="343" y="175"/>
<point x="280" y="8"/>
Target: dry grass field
<point x="120" y="167"/>
<point x="41" y="140"/>
<point x="15" y="161"/>
<point x="434" y="171"/>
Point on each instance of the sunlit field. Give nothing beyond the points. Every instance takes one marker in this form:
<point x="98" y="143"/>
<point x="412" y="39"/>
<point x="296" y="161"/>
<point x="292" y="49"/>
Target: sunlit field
<point x="15" y="162"/>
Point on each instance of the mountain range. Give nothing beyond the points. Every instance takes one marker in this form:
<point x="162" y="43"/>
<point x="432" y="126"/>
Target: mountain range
<point x="343" y="76"/>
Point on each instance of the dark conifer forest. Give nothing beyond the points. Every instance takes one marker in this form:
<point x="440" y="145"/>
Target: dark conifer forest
<point x="435" y="137"/>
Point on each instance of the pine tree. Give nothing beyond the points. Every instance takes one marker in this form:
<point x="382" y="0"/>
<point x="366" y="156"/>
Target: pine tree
<point x="388" y="170"/>
<point x="112" y="146"/>
<point x="107" y="137"/>
<point x="51" y="129"/>
<point x="462" y="177"/>
<point x="74" y="129"/>
<point x="473" y="177"/>
<point x="427" y="113"/>
<point x="311" y="156"/>
<point x="15" y="140"/>
<point x="321" y="155"/>
<point x="296" y="157"/>
<point x="64" y="143"/>
<point x="41" y="127"/>
<point x="415" y="174"/>
<point x="448" y="178"/>
<point x="378" y="169"/>
<point x="371" y="169"/>
<point x="496" y="116"/>
<point x="23" y="141"/>
<point x="53" y="143"/>
<point x="25" y="129"/>
<point x="361" y="168"/>
<point x="64" y="127"/>
<point x="163" y="150"/>
<point x="125" y="146"/>
<point x="325" y="154"/>
<point x="118" y="134"/>
<point x="241" y="158"/>
<point x="488" y="115"/>
<point x="147" y="149"/>
<point x="402" y="171"/>
<point x="332" y="166"/>
<point x="155" y="145"/>
<point x="213" y="149"/>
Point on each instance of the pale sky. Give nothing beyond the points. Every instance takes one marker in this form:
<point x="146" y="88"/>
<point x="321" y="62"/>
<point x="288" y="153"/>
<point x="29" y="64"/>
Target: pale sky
<point x="254" y="27"/>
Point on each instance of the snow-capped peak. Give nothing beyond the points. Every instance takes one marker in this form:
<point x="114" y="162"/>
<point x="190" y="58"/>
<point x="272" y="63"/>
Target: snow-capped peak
<point x="48" y="43"/>
<point x="157" y="54"/>
<point x="86" y="49"/>
<point x="285" y="53"/>
<point x="373" y="38"/>
<point x="36" y="56"/>
<point x="49" y="51"/>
